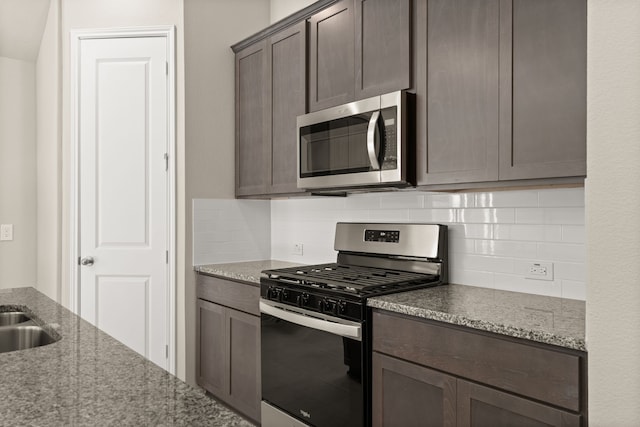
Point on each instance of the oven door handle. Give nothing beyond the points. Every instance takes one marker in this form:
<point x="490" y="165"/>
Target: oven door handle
<point x="340" y="327"/>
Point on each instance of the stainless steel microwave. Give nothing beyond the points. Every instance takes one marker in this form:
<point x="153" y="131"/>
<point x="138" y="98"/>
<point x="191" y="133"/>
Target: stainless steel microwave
<point x="363" y="143"/>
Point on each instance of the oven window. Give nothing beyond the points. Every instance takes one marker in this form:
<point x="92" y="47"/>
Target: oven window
<point x="312" y="375"/>
<point x="335" y="147"/>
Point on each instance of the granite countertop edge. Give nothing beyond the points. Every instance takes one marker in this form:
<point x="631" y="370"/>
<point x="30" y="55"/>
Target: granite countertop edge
<point x="483" y="325"/>
<point x="244" y="271"/>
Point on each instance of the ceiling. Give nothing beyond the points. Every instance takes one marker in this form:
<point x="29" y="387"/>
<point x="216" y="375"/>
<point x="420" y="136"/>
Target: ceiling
<point x="21" y="26"/>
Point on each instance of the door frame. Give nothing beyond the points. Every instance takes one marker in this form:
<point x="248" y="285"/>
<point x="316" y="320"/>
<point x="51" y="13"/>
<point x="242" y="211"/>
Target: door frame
<point x="76" y="37"/>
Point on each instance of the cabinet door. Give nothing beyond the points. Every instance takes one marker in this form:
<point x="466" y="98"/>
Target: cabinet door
<point x="244" y="367"/>
<point x="252" y="120"/>
<point x="543" y="126"/>
<point x="287" y="54"/>
<point x="406" y="395"/>
<point x="457" y="91"/>
<point x="382" y="46"/>
<point x="331" y="56"/>
<point x="480" y="406"/>
<point x="211" y="355"/>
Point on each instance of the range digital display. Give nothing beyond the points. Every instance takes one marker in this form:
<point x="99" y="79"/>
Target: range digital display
<point x="384" y="236"/>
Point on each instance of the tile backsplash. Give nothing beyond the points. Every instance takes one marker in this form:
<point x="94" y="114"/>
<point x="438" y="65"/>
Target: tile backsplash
<point x="228" y="230"/>
<point x="493" y="236"/>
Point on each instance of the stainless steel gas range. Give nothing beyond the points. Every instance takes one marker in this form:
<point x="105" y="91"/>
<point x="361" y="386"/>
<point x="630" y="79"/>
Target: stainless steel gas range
<point x="316" y="328"/>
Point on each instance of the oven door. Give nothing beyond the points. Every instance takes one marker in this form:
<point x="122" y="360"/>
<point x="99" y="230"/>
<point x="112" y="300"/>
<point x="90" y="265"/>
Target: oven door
<point x="312" y="368"/>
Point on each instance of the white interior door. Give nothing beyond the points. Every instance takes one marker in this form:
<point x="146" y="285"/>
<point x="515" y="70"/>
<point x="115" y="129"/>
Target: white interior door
<point x="123" y="190"/>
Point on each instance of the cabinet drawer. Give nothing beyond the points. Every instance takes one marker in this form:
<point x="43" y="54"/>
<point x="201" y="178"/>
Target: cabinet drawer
<point x="531" y="370"/>
<point x="240" y="296"/>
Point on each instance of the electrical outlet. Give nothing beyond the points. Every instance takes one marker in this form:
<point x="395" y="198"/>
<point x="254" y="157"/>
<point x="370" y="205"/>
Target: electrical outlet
<point x="6" y="232"/>
<point x="297" y="249"/>
<point x="540" y="271"/>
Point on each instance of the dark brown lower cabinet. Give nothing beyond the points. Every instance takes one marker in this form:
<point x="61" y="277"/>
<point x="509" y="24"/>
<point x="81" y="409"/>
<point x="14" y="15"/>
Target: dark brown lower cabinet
<point x="407" y="395"/>
<point x="228" y="347"/>
<point x="481" y="406"/>
<point x="427" y="373"/>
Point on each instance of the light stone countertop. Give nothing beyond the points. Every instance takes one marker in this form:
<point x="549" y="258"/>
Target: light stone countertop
<point x="248" y="271"/>
<point x="88" y="378"/>
<point x="549" y="320"/>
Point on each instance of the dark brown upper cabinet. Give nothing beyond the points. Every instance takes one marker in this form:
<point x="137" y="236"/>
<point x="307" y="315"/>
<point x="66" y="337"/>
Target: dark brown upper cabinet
<point x="359" y="49"/>
<point x="287" y="57"/>
<point x="501" y="90"/>
<point x="270" y="94"/>
<point x="545" y="115"/>
<point x="331" y="56"/>
<point x="252" y="118"/>
<point x="383" y="46"/>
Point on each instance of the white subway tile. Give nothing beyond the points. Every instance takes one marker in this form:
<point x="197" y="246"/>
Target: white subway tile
<point x="545" y="233"/>
<point x="573" y="233"/>
<point x="401" y="201"/>
<point x="514" y="283"/>
<point x="561" y="252"/>
<point x="449" y="200"/>
<point x="478" y="231"/>
<point x="574" y="290"/>
<point x="471" y="231"/>
<point x="561" y="197"/>
<point x="390" y="215"/>
<point x="363" y="201"/>
<point x="564" y="215"/>
<point x="484" y="263"/>
<point x="529" y="216"/>
<point x="471" y="278"/>
<point x="511" y="199"/>
<point x="432" y="215"/>
<point x="570" y="271"/>
<point x="464" y="246"/>
<point x="505" y="248"/>
<point x="500" y="215"/>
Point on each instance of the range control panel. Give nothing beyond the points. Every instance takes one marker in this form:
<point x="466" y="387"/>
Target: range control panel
<point x="385" y="236"/>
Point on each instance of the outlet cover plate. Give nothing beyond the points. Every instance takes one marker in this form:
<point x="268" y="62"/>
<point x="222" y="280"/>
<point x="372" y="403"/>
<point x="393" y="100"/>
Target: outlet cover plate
<point x="297" y="249"/>
<point x="539" y="271"/>
<point x="6" y="232"/>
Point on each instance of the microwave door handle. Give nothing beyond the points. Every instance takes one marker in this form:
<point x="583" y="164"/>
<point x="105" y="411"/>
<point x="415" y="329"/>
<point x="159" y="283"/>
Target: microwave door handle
<point x="371" y="139"/>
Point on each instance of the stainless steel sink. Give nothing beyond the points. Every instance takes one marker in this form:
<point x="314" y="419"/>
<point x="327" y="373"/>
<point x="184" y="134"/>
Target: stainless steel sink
<point x="23" y="336"/>
<point x="13" y="318"/>
<point x="20" y="330"/>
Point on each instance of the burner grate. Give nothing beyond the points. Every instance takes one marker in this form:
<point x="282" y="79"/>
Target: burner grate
<point x="351" y="278"/>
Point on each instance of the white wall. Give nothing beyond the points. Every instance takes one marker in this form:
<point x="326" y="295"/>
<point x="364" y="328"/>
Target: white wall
<point x="282" y="8"/>
<point x="17" y="171"/>
<point x="211" y="27"/>
<point x="613" y="206"/>
<point x="48" y="156"/>
<point x="94" y="14"/>
<point x="493" y="236"/>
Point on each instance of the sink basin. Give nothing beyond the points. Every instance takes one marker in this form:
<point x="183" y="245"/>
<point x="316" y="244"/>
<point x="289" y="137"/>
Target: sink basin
<point x="22" y="337"/>
<point x="13" y="318"/>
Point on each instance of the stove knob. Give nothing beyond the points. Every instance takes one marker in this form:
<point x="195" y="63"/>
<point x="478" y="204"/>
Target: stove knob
<point x="329" y="307"/>
<point x="273" y="293"/>
<point x="284" y="295"/>
<point x="303" y="299"/>
<point x="341" y="307"/>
